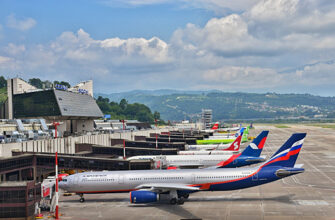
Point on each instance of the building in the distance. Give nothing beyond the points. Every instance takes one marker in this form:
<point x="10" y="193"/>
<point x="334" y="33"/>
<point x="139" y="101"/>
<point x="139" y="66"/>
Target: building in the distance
<point x="206" y="118"/>
<point x="75" y="107"/>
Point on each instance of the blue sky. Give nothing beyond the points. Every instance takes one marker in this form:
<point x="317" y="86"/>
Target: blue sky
<point x="100" y="19"/>
<point x="252" y="46"/>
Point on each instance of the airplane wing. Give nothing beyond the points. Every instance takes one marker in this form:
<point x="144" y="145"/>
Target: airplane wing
<point x="165" y="187"/>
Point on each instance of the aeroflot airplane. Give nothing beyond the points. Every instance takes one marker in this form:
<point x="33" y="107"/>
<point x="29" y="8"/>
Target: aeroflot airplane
<point x="147" y="186"/>
<point x="249" y="156"/>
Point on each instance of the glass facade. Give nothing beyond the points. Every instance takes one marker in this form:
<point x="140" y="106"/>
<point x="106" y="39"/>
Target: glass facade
<point x="35" y="104"/>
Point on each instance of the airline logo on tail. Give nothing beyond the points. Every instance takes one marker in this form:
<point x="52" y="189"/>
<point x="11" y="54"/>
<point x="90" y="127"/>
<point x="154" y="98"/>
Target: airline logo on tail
<point x="255" y="148"/>
<point x="259" y="146"/>
<point x="215" y="126"/>
<point x="252" y="152"/>
<point x="235" y="146"/>
<point x="288" y="153"/>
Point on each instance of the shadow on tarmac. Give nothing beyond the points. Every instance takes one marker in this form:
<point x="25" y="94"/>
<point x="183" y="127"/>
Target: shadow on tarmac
<point x="172" y="209"/>
<point x="89" y="200"/>
<point x="283" y="199"/>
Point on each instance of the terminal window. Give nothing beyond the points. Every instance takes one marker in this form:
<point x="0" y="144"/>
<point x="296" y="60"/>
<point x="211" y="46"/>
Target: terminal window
<point x="35" y="104"/>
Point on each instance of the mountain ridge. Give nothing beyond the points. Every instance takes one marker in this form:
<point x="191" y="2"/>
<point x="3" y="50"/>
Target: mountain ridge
<point x="179" y="105"/>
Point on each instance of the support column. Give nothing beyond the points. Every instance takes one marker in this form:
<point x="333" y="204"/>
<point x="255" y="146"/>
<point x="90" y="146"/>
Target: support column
<point x="20" y="175"/>
<point x="34" y="167"/>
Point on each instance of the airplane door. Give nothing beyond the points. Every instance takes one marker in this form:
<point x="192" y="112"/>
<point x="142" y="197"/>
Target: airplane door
<point x="193" y="178"/>
<point x="76" y="180"/>
<point x="255" y="177"/>
<point x="121" y="179"/>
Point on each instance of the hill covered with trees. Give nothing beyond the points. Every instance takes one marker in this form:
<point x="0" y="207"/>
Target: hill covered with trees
<point x="124" y="110"/>
<point x="179" y="105"/>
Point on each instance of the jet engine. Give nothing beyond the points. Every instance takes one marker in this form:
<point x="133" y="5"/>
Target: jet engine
<point x="143" y="196"/>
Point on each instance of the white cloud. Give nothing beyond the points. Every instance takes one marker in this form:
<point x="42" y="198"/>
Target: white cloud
<point x="240" y="51"/>
<point x="321" y="73"/>
<point x="77" y="55"/>
<point x="218" y="6"/>
<point x="270" y="28"/>
<point x="22" y="25"/>
<point x="4" y="60"/>
<point x="14" y="50"/>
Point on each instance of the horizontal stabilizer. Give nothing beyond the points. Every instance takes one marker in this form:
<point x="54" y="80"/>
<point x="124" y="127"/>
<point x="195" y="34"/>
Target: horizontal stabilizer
<point x="298" y="165"/>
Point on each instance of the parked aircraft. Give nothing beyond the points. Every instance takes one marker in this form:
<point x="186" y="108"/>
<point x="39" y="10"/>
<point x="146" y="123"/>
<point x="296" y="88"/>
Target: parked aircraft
<point x="225" y="140"/>
<point x="234" y="146"/>
<point x="249" y="156"/>
<point x="213" y="128"/>
<point x="148" y="186"/>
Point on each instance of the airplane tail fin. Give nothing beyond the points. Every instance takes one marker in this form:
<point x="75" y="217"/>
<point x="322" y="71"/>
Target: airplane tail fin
<point x="246" y="131"/>
<point x="215" y="126"/>
<point x="242" y="130"/>
<point x="255" y="148"/>
<point x="287" y="155"/>
<point x="235" y="146"/>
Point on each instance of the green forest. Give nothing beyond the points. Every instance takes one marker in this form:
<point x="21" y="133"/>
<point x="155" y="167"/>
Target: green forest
<point x="179" y="105"/>
<point x="124" y="110"/>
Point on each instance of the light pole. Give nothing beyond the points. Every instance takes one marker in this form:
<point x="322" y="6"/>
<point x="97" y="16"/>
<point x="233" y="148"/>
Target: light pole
<point x="156" y="133"/>
<point x="124" y="142"/>
<point x="56" y="171"/>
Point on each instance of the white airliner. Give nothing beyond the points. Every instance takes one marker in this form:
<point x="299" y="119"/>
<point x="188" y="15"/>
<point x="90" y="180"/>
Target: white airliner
<point x="213" y="149"/>
<point x="249" y="156"/>
<point x="234" y="146"/>
<point x="146" y="186"/>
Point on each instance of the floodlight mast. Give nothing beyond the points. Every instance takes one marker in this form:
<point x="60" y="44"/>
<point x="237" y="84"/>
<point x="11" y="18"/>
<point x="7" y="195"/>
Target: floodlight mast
<point x="56" y="173"/>
<point x="124" y="142"/>
<point x="156" y="133"/>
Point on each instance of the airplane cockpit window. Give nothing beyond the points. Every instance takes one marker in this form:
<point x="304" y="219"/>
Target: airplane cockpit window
<point x="64" y="180"/>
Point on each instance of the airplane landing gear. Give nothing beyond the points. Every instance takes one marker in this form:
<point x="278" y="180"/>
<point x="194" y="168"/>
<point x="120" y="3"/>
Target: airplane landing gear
<point x="173" y="201"/>
<point x="184" y="196"/>
<point x="82" y="199"/>
<point x="181" y="201"/>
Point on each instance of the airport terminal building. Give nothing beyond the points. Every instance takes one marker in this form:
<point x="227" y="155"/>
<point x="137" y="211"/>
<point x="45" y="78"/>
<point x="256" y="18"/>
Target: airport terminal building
<point x="75" y="108"/>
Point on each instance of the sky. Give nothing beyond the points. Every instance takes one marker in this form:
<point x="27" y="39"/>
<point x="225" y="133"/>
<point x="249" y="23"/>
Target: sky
<point x="283" y="46"/>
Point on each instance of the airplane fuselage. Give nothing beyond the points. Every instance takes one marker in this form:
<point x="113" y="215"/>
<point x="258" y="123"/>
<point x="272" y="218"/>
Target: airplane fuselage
<point x="207" y="146"/>
<point x="207" y="152"/>
<point x="125" y="181"/>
